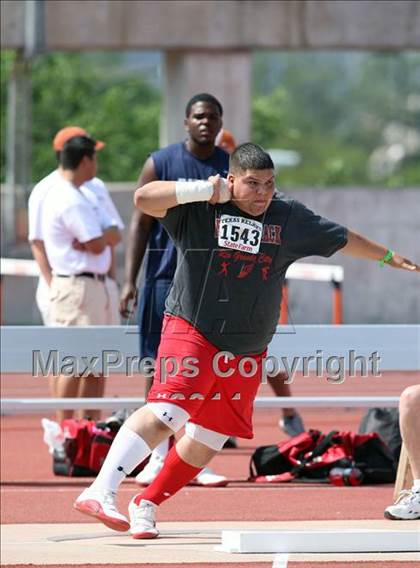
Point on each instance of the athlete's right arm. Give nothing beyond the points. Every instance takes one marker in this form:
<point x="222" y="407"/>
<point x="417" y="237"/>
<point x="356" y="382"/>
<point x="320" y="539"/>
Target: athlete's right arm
<point x="157" y="197"/>
<point x="138" y="237"/>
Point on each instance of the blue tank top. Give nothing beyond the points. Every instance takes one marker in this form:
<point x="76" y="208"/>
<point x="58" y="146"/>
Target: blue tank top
<point x="175" y="162"/>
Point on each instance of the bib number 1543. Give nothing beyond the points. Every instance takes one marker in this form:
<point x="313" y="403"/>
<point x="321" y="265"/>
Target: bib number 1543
<point x="240" y="233"/>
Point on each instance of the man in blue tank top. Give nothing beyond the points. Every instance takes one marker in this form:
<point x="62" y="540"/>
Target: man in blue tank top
<point x="196" y="158"/>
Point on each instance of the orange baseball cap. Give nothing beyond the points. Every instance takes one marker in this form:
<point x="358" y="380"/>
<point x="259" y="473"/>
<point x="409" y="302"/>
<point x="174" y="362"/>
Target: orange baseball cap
<point x="68" y="132"/>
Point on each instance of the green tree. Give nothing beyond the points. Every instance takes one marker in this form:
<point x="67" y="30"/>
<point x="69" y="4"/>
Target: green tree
<point x="113" y="104"/>
<point x="117" y="107"/>
<point x="334" y="110"/>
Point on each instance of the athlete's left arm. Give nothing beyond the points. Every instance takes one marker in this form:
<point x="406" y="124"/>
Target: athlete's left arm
<point x="361" y="247"/>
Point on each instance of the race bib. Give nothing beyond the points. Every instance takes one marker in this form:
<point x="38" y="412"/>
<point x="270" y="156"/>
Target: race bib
<point x="240" y="233"/>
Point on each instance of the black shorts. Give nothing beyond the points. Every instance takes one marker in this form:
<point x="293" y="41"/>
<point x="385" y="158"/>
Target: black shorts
<point x="150" y="315"/>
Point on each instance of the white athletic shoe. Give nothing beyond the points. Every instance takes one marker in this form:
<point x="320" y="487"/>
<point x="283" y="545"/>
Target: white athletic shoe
<point x="100" y="503"/>
<point x="292" y="425"/>
<point x="207" y="478"/>
<point x="406" y="507"/>
<point x="150" y="471"/>
<point x="143" y="519"/>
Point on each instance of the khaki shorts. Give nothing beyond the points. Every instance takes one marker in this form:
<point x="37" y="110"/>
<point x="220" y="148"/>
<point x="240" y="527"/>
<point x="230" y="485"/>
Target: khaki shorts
<point x="78" y="301"/>
<point x="43" y="300"/>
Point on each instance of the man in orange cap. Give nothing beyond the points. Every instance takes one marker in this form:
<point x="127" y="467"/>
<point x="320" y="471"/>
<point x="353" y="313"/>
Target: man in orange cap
<point x="65" y="134"/>
<point x="73" y="199"/>
<point x="97" y="192"/>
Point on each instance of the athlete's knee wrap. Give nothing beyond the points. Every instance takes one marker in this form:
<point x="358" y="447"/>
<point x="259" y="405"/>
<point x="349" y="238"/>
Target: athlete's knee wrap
<point x="210" y="438"/>
<point x="173" y="416"/>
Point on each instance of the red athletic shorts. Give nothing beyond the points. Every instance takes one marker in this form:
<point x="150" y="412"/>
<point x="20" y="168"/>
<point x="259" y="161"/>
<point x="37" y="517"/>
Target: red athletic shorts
<point x="185" y="376"/>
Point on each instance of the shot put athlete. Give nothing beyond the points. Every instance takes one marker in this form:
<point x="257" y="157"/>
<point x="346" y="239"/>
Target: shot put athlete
<point x="235" y="240"/>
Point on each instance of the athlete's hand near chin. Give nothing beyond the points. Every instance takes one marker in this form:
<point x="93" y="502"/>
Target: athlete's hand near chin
<point x="221" y="193"/>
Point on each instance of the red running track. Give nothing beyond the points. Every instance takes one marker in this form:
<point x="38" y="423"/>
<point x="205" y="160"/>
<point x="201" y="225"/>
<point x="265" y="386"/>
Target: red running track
<point x="32" y="494"/>
<point x="26" y="466"/>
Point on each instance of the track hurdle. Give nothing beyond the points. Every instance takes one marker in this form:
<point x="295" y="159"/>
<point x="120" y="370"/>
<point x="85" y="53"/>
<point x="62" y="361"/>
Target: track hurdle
<point x="332" y="273"/>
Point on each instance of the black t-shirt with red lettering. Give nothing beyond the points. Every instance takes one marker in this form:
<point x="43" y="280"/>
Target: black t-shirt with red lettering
<point x="231" y="266"/>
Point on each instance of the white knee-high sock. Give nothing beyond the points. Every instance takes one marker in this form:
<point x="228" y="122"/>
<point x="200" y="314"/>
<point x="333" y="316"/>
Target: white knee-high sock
<point x="127" y="451"/>
<point x="162" y="449"/>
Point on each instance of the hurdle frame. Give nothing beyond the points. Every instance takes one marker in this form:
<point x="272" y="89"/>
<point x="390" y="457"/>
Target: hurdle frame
<point x="308" y="272"/>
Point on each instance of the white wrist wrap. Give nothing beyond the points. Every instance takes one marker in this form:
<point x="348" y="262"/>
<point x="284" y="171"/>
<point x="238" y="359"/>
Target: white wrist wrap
<point x="190" y="191"/>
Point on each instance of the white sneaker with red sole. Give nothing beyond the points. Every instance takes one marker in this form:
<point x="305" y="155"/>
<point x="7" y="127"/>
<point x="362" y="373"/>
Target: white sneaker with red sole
<point x="100" y="504"/>
<point x="150" y="471"/>
<point x="143" y="519"/>
<point x="207" y="478"/>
